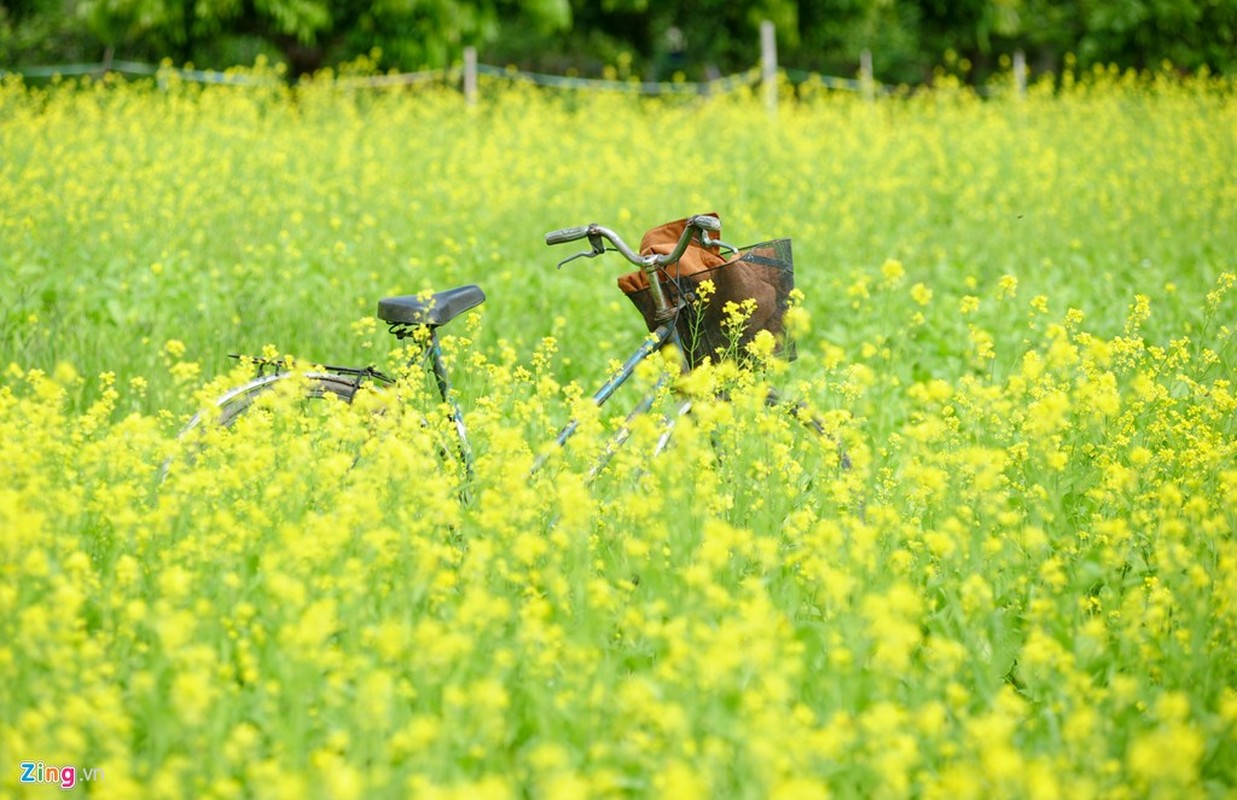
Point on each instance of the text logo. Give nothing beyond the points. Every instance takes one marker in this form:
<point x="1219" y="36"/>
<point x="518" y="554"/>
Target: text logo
<point x="64" y="777"/>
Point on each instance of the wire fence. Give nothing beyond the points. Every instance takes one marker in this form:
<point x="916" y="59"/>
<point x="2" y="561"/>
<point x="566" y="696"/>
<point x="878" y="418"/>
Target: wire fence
<point x="722" y="85"/>
<point x="446" y="76"/>
<point x="766" y="75"/>
<point x="138" y="69"/>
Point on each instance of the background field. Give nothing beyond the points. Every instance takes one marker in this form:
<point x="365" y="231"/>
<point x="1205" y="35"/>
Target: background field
<point x="229" y="219"/>
<point x="1018" y="319"/>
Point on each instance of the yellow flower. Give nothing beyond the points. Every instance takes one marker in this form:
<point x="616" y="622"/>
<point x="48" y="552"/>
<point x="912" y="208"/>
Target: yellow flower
<point x="921" y="294"/>
<point x="893" y="272"/>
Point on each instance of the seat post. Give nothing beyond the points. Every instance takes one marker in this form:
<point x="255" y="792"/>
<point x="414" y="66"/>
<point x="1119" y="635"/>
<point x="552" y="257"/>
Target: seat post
<point x="440" y="368"/>
<point x="444" y="390"/>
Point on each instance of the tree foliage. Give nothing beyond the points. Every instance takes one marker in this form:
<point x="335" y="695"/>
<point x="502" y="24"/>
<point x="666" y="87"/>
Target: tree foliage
<point x="308" y="34"/>
<point x="650" y="38"/>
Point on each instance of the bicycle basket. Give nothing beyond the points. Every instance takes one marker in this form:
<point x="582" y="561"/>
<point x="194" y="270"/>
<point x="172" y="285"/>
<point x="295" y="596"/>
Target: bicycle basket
<point x="763" y="273"/>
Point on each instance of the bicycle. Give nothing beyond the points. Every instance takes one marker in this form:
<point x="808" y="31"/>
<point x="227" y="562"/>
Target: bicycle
<point x="684" y="303"/>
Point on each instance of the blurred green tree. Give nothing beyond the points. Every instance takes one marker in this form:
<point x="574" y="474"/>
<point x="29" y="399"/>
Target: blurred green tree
<point x="310" y="34"/>
<point x="654" y="39"/>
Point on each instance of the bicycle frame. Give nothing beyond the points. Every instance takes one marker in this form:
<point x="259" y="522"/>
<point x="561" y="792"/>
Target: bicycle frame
<point x="431" y="351"/>
<point x="666" y="333"/>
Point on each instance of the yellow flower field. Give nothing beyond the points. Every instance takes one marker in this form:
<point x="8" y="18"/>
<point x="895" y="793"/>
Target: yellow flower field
<point x="1017" y="325"/>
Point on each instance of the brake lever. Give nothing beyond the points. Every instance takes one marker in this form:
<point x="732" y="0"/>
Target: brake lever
<point x="598" y="248"/>
<point x="709" y="241"/>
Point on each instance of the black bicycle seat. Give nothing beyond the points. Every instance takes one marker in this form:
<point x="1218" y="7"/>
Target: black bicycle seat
<point x="433" y="310"/>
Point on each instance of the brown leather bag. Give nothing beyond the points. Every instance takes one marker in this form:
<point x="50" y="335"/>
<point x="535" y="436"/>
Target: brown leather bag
<point x="662" y="241"/>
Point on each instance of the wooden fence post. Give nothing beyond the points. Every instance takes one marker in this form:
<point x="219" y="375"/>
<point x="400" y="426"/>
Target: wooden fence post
<point x="768" y="65"/>
<point x="867" y="82"/>
<point x="470" y="75"/>
<point x="1020" y="73"/>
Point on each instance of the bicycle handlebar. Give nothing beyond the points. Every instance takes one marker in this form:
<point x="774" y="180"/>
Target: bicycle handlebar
<point x="701" y="223"/>
<point x="598" y="235"/>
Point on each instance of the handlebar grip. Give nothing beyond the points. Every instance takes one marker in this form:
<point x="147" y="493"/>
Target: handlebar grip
<point x="705" y="222"/>
<point x="567" y="234"/>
